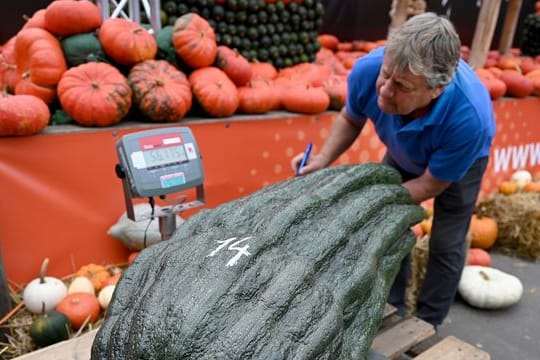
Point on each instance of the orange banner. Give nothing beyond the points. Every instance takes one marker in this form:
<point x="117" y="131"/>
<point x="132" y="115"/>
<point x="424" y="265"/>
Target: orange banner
<point x="60" y="193"/>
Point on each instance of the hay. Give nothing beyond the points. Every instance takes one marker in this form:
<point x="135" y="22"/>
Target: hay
<point x="419" y="258"/>
<point x="518" y="219"/>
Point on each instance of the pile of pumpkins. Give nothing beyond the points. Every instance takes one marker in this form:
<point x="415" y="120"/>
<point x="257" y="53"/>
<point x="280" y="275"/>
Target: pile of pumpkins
<point x="61" y="307"/>
<point x="97" y="72"/>
<point x="481" y="285"/>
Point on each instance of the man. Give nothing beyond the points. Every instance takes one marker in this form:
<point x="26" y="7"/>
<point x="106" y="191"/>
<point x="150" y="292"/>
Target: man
<point x="436" y="119"/>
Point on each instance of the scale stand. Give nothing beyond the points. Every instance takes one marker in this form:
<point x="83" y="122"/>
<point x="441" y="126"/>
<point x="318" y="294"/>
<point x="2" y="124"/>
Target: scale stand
<point x="166" y="215"/>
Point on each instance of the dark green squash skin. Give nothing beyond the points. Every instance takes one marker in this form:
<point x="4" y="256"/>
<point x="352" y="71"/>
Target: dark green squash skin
<point x="82" y="48"/>
<point x="50" y="328"/>
<point x="323" y="253"/>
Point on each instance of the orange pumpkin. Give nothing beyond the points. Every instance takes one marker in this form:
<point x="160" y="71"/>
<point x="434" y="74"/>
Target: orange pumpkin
<point x="69" y="17"/>
<point x="328" y="41"/>
<point x="483" y="231"/>
<point x="78" y="307"/>
<point x="255" y="99"/>
<point x="508" y="187"/>
<point x="22" y="115"/>
<point x="161" y="91"/>
<point x="305" y="99"/>
<point x="40" y="63"/>
<point x="97" y="274"/>
<point x="37" y="20"/>
<point x="8" y="68"/>
<point x="477" y="256"/>
<point x="215" y="92"/>
<point x="336" y="88"/>
<point x="517" y="84"/>
<point x="263" y="70"/>
<point x="95" y="94"/>
<point x="532" y="187"/>
<point x="426" y="225"/>
<point x="126" y="42"/>
<point x="113" y="280"/>
<point x="496" y="87"/>
<point x="234" y="65"/>
<point x="194" y="40"/>
<point x="273" y="94"/>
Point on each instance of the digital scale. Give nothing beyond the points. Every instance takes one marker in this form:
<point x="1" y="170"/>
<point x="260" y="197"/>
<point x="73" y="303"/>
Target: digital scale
<point x="160" y="162"/>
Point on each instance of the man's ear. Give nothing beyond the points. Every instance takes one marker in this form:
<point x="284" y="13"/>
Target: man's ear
<point x="437" y="92"/>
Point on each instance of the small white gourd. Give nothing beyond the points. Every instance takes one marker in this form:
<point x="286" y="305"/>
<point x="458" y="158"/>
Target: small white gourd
<point x="105" y="295"/>
<point x="81" y="284"/>
<point x="42" y="294"/>
<point x="521" y="178"/>
<point x="489" y="288"/>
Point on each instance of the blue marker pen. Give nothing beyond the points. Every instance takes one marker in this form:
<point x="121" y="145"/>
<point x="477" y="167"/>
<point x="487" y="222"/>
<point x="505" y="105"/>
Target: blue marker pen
<point x="305" y="158"/>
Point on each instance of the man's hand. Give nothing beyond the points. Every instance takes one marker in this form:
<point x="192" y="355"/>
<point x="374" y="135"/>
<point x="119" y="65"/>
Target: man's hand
<point x="314" y="162"/>
<point x="424" y="187"/>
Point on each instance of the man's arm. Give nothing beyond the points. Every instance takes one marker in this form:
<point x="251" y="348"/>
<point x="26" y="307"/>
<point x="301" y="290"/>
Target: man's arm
<point x="343" y="132"/>
<point x="424" y="187"/>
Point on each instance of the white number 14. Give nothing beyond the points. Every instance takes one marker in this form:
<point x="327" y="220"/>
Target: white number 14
<point x="234" y="246"/>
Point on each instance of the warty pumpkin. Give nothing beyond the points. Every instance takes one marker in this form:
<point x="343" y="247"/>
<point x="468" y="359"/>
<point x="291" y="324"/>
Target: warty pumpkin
<point x="214" y="91"/>
<point x="126" y="42"/>
<point x="194" y="40"/>
<point x="40" y="63"/>
<point x="300" y="269"/>
<point x="95" y="94"/>
<point x="8" y="68"/>
<point x="161" y="91"/>
<point x="22" y="115"/>
<point x="69" y="17"/>
<point x="234" y="65"/>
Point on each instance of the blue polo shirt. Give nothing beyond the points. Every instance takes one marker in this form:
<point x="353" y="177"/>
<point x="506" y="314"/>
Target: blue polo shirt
<point x="457" y="129"/>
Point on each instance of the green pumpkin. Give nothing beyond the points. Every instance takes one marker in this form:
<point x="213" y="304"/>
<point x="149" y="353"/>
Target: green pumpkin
<point x="166" y="50"/>
<point x="82" y="48"/>
<point x="300" y="269"/>
<point x="50" y="328"/>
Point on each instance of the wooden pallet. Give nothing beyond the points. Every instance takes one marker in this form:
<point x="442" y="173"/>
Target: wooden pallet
<point x="405" y="338"/>
<point x="398" y="338"/>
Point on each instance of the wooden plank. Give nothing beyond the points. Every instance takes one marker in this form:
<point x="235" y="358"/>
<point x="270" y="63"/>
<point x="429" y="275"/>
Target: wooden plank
<point x="451" y="348"/>
<point x="77" y="348"/>
<point x="402" y="336"/>
<point x="389" y="310"/>
<point x="509" y="27"/>
<point x="483" y="33"/>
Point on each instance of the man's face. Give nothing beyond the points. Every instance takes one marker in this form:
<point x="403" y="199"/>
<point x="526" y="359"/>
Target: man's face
<point x="402" y="92"/>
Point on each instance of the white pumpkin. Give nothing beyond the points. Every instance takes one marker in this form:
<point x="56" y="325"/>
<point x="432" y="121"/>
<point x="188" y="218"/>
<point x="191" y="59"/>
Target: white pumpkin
<point x="489" y="288"/>
<point x="105" y="295"/>
<point x="521" y="178"/>
<point x="42" y="294"/>
<point x="81" y="284"/>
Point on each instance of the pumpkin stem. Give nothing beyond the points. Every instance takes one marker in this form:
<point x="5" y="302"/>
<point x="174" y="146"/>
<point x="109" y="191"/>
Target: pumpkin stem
<point x="42" y="270"/>
<point x="95" y="85"/>
<point x="159" y="82"/>
<point x="484" y="275"/>
<point x="43" y="307"/>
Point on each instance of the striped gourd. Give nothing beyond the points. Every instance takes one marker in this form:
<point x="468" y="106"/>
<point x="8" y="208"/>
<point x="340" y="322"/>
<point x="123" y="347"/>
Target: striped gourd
<point x="300" y="269"/>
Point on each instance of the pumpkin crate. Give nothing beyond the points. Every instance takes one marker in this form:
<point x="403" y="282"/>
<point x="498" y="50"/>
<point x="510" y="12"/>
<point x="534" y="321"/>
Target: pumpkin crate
<point x="398" y="338"/>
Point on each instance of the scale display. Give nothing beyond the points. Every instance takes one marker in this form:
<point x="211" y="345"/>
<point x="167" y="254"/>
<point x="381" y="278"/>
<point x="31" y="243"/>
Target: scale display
<point x="160" y="161"/>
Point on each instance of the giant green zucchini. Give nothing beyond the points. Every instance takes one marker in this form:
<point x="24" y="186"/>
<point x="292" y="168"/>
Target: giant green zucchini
<point x="300" y="269"/>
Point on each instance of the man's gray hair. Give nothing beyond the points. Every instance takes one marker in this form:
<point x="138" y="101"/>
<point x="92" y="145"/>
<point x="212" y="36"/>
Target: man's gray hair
<point x="428" y="45"/>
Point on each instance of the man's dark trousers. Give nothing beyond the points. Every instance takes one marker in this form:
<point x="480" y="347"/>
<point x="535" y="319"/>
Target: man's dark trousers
<point x="453" y="209"/>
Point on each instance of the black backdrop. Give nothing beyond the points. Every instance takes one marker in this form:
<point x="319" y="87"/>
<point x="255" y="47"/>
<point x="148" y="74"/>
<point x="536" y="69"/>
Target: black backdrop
<point x="348" y="19"/>
<point x="369" y="20"/>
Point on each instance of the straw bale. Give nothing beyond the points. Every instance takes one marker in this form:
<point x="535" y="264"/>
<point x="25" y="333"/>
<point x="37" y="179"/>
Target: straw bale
<point x="518" y="219"/>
